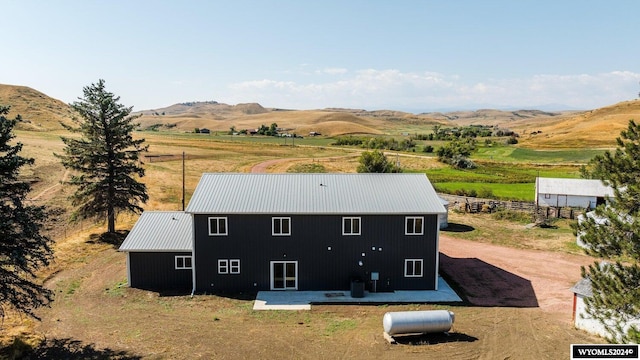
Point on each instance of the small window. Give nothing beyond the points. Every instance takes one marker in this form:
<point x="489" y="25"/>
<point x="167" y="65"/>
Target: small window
<point x="183" y="262"/>
<point x="217" y="226"/>
<point x="223" y="266"/>
<point x="350" y="226"/>
<point x="281" y="226"/>
<point x="547" y="196"/>
<point x="226" y="266"/>
<point x="414" y="225"/>
<point x="234" y="266"/>
<point x="413" y="268"/>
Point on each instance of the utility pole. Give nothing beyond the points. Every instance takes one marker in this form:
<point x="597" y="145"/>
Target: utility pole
<point x="183" y="181"/>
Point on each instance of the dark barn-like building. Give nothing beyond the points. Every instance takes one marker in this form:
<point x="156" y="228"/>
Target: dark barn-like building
<point x="159" y="251"/>
<point x="255" y="232"/>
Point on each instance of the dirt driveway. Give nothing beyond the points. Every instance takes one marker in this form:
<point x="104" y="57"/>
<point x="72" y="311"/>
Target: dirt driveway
<point x="494" y="275"/>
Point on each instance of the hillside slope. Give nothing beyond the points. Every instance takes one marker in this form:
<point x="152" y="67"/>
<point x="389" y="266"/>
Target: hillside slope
<point x="590" y="129"/>
<point x="38" y="111"/>
<point x="331" y="122"/>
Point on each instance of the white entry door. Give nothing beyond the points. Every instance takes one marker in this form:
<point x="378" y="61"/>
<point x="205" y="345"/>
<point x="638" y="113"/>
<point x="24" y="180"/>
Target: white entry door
<point x="284" y="275"/>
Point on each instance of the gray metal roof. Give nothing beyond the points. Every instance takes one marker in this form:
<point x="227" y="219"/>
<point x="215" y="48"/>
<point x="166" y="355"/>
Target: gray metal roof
<point x="160" y="231"/>
<point x="232" y="193"/>
<point x="584" y="187"/>
<point x="583" y="287"/>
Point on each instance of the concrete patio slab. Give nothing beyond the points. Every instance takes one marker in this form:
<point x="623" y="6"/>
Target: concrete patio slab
<point x="302" y="300"/>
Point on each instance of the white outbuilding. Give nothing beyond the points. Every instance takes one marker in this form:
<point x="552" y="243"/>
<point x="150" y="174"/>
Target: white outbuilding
<point x="582" y="193"/>
<point x="582" y="320"/>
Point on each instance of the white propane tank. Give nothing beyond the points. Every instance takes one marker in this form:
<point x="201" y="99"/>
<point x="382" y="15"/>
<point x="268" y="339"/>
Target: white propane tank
<point x="408" y="322"/>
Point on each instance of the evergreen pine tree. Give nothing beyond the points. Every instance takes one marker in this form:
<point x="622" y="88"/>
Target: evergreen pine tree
<point x="105" y="158"/>
<point x="613" y="234"/>
<point x="23" y="249"/>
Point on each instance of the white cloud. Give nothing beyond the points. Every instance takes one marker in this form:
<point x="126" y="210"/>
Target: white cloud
<point x="394" y="89"/>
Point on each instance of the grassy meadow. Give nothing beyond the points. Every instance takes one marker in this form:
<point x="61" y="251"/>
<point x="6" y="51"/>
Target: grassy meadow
<point x="509" y="172"/>
<point x="88" y="276"/>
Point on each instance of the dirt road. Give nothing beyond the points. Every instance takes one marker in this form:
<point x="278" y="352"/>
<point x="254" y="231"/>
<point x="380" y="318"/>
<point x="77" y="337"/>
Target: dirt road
<point x="494" y="275"/>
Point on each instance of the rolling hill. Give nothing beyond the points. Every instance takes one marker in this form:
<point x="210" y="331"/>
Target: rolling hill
<point x="539" y="129"/>
<point x="38" y="111"/>
<point x="590" y="129"/>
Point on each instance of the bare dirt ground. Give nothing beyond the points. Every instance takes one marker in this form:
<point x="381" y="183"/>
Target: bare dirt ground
<point x="492" y="275"/>
<point x="519" y="307"/>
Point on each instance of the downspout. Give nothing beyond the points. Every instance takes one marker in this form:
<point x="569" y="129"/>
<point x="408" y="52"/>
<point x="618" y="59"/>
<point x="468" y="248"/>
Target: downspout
<point x="128" y="269"/>
<point x="437" y="272"/>
<point x="193" y="256"/>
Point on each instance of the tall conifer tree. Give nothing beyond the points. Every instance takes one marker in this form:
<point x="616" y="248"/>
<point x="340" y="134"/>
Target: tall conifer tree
<point x="614" y="235"/>
<point x="23" y="248"/>
<point x="105" y="158"/>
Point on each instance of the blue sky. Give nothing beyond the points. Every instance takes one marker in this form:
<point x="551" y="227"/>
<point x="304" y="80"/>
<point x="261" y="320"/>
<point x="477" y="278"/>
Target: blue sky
<point x="403" y="55"/>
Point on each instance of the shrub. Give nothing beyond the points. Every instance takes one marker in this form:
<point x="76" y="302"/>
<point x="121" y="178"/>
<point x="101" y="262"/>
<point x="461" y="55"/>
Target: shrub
<point x="427" y="149"/>
<point x="485" y="193"/>
<point x="512" y="215"/>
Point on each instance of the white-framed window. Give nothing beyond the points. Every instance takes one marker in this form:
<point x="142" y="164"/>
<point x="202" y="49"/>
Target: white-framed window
<point x="234" y="266"/>
<point x="547" y="196"/>
<point x="183" y="262"/>
<point x="280" y="226"/>
<point x="218" y="226"/>
<point x="351" y="226"/>
<point x="413" y="267"/>
<point x="228" y="266"/>
<point x="223" y="266"/>
<point x="414" y="225"/>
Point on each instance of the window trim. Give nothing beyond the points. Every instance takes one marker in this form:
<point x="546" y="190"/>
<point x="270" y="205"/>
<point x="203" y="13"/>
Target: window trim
<point x="273" y="225"/>
<point x="184" y="266"/>
<point x="406" y="223"/>
<point x="413" y="267"/>
<point x="351" y="218"/>
<point x="223" y="264"/>
<point x="234" y="263"/>
<point x="218" y="218"/>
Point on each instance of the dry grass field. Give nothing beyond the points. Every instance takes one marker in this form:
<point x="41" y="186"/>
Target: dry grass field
<point x="39" y="112"/>
<point x="95" y="315"/>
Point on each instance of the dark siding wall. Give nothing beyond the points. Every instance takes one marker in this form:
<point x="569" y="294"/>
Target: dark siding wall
<point x="382" y="241"/>
<point x="156" y="271"/>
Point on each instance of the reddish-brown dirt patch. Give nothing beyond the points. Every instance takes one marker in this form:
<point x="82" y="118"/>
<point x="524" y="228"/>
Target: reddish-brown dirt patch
<point x="494" y="275"/>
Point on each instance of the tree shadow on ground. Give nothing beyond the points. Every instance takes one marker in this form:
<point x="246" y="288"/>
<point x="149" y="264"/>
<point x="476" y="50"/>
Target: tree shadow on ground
<point x="114" y="239"/>
<point x="483" y="284"/>
<point x="433" y="338"/>
<point x="67" y="349"/>
<point x="458" y="228"/>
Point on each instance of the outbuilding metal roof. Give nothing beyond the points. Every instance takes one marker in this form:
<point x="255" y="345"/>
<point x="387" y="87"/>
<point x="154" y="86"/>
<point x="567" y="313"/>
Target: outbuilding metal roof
<point x="583" y="187"/>
<point x="232" y="193"/>
<point x="583" y="287"/>
<point x="160" y="231"/>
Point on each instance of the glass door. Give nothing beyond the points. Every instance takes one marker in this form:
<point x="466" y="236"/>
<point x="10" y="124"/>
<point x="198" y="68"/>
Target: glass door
<point x="284" y="275"/>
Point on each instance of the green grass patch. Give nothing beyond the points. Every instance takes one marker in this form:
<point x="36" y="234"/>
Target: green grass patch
<point x="505" y="173"/>
<point x="117" y="289"/>
<point x="337" y="325"/>
<point x="517" y="154"/>
<point x="519" y="191"/>
<point x="72" y="287"/>
<point x="307" y="168"/>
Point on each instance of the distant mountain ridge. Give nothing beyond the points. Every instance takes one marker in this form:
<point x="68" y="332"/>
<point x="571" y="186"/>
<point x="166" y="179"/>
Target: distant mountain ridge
<point x="538" y="128"/>
<point x="208" y="107"/>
